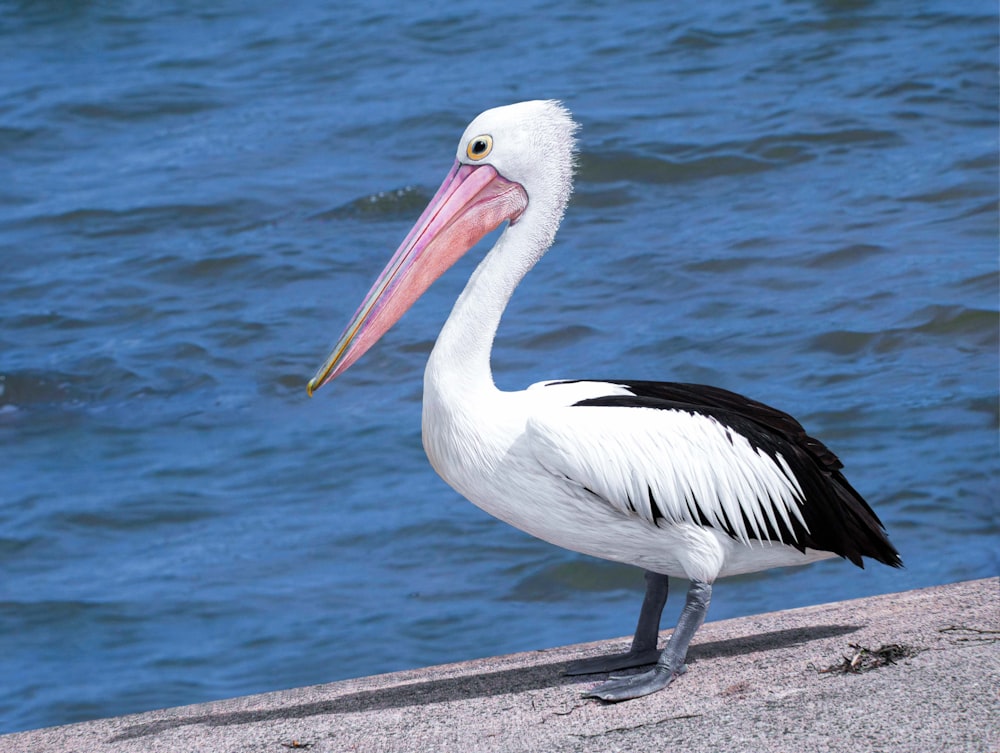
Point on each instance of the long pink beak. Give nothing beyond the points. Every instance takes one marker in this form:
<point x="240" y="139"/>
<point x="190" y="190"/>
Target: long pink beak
<point x="472" y="201"/>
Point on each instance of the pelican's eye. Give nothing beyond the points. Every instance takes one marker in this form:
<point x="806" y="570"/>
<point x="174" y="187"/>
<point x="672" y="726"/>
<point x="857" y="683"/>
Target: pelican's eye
<point x="479" y="147"/>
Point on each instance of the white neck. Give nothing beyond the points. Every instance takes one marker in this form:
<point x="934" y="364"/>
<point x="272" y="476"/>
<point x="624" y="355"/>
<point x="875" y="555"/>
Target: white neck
<point x="536" y="152"/>
<point x="459" y="365"/>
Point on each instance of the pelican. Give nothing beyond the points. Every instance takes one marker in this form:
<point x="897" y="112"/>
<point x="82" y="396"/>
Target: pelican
<point x="681" y="480"/>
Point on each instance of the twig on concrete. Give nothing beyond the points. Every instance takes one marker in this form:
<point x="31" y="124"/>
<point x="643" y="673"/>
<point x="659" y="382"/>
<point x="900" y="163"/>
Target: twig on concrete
<point x="656" y="723"/>
<point x="977" y="635"/>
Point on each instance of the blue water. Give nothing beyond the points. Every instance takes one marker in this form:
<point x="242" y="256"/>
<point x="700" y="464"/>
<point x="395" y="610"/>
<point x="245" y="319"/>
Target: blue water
<point x="794" y="200"/>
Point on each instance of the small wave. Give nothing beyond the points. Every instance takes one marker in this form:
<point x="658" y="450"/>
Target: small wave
<point x="684" y="162"/>
<point x="56" y="393"/>
<point x="843" y="342"/>
<point x="51" y="320"/>
<point x="703" y="39"/>
<point x="141" y="104"/>
<point x="844" y="256"/>
<point x="221" y="266"/>
<point x="554" y="581"/>
<point x="21" y="389"/>
<point x="950" y="321"/>
<point x="12" y="137"/>
<point x="556" y="338"/>
<point x="611" y="167"/>
<point x="959" y="193"/>
<point x="980" y="327"/>
<point x="729" y="265"/>
<point x="134" y="516"/>
<point x="103" y="223"/>
<point x="406" y="202"/>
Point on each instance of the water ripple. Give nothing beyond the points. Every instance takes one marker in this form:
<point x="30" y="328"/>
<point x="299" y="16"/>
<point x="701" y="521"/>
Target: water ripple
<point x="978" y="328"/>
<point x="402" y="203"/>
<point x="685" y="162"/>
<point x="109" y="223"/>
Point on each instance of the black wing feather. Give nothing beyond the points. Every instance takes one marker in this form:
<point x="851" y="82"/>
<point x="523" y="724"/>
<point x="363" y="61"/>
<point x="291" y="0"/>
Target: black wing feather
<point x="837" y="518"/>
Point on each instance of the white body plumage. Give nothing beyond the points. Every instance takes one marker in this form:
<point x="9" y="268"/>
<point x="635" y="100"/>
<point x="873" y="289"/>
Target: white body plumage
<point x="566" y="473"/>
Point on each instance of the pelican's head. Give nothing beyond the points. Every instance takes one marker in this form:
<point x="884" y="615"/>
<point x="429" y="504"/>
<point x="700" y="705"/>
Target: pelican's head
<point x="510" y="161"/>
<point x="529" y="143"/>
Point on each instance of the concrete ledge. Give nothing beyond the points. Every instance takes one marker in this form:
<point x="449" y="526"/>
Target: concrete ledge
<point x="753" y="685"/>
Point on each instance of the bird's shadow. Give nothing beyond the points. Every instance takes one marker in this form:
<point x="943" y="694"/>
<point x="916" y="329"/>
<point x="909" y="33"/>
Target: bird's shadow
<point x="515" y="680"/>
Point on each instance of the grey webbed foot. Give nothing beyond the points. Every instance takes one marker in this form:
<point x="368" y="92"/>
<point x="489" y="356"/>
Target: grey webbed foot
<point x="634" y="686"/>
<point x="671" y="662"/>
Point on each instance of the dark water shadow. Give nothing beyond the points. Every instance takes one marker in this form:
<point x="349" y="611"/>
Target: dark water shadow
<point x="515" y="680"/>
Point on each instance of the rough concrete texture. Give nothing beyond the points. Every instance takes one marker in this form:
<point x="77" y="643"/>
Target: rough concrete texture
<point x="754" y="685"/>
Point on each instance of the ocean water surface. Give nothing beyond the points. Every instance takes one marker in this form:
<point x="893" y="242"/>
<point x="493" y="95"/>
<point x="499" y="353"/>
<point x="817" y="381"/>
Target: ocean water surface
<point x="796" y="200"/>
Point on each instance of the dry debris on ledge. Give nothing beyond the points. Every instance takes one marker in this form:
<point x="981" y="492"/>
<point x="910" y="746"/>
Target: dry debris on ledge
<point x="866" y="659"/>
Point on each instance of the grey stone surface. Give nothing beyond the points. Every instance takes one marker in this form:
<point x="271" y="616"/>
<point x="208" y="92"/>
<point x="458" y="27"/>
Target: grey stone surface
<point x="753" y="685"/>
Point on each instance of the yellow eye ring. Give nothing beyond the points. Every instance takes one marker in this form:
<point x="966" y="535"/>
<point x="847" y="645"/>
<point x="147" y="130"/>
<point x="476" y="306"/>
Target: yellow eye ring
<point x="479" y="147"/>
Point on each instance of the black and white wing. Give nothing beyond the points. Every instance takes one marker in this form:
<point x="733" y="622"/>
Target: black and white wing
<point x="673" y="453"/>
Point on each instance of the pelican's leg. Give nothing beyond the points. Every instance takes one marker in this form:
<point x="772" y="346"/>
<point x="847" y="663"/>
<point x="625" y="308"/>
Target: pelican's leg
<point x="643" y="650"/>
<point x="671" y="663"/>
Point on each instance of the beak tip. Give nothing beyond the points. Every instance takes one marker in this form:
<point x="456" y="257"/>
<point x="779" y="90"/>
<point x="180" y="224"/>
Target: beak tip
<point x="311" y="387"/>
